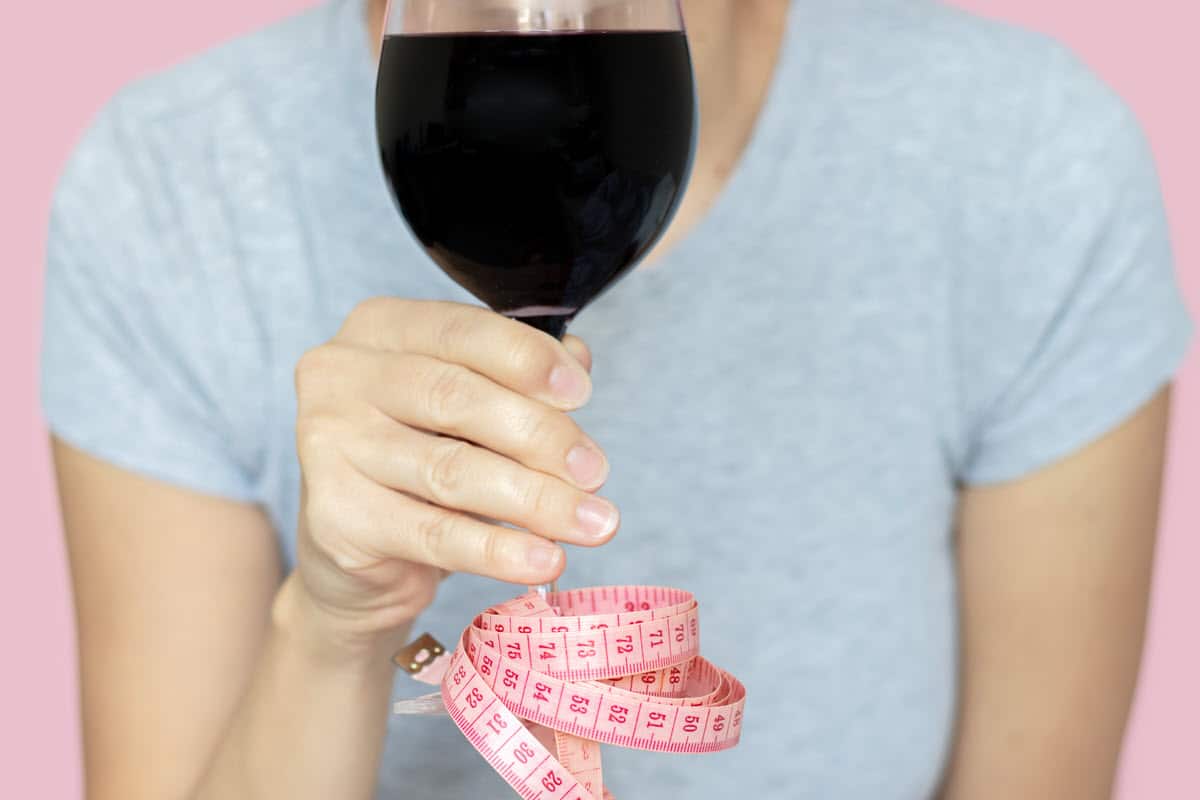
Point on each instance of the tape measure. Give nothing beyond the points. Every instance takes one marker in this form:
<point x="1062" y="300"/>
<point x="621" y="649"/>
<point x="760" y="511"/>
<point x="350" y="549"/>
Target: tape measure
<point x="536" y="684"/>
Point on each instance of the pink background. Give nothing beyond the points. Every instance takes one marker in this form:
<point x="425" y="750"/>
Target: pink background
<point x="60" y="61"/>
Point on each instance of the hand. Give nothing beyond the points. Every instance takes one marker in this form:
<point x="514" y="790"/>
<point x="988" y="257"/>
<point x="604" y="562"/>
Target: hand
<point x="419" y="424"/>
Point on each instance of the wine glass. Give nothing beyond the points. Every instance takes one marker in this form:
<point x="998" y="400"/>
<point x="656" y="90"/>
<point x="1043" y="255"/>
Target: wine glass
<point x="537" y="149"/>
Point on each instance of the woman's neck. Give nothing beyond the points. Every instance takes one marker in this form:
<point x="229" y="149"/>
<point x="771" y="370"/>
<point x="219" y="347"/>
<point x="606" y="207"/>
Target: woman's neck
<point x="376" y="9"/>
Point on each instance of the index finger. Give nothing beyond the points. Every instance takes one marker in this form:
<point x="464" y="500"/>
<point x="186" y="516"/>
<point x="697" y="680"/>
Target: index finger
<point x="508" y="352"/>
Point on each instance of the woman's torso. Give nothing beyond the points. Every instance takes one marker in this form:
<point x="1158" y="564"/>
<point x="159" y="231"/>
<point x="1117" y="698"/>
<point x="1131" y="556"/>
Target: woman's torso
<point x="777" y="395"/>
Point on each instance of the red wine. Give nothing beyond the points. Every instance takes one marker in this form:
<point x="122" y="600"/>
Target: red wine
<point x="536" y="169"/>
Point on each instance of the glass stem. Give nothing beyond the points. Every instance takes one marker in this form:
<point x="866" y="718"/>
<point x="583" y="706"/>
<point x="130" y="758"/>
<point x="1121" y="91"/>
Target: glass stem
<point x="556" y="326"/>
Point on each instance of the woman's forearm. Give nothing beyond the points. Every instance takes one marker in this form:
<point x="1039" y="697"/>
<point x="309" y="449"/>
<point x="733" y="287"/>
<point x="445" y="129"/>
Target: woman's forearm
<point x="312" y="722"/>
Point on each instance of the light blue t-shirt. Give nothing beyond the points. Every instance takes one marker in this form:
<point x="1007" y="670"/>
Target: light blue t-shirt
<point x="942" y="261"/>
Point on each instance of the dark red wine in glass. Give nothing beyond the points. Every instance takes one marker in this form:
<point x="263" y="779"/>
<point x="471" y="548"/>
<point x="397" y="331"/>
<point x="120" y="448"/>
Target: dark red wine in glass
<point x="537" y="150"/>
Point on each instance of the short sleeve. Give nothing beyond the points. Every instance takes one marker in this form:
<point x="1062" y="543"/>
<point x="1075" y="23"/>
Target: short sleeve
<point x="117" y="379"/>
<point x="1081" y="321"/>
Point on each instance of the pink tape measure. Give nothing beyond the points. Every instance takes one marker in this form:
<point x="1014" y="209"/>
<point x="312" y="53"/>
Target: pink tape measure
<point x="536" y="684"/>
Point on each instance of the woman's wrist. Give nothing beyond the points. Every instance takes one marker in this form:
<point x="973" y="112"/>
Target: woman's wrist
<point x="327" y="638"/>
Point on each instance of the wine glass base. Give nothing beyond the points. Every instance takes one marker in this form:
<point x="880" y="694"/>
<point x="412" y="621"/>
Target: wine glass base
<point x="546" y="589"/>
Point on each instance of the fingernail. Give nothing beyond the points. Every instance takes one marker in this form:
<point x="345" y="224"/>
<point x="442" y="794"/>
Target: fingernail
<point x="597" y="517"/>
<point x="542" y="557"/>
<point x="586" y="466"/>
<point x="568" y="384"/>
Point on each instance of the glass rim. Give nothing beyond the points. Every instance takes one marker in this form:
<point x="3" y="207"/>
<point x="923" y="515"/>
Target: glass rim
<point x="506" y="17"/>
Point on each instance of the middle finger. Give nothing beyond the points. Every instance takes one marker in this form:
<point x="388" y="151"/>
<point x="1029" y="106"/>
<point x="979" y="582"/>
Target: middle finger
<point x="453" y="400"/>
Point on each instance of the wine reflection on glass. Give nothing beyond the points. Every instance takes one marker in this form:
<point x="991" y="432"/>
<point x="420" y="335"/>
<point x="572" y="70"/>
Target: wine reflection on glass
<point x="537" y="149"/>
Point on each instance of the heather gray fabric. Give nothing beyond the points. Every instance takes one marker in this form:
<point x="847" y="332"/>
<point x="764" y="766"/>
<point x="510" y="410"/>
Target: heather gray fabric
<point x="942" y="261"/>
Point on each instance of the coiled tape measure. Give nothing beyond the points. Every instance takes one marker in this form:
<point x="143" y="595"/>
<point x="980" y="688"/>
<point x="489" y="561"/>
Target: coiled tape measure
<point x="536" y="684"/>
